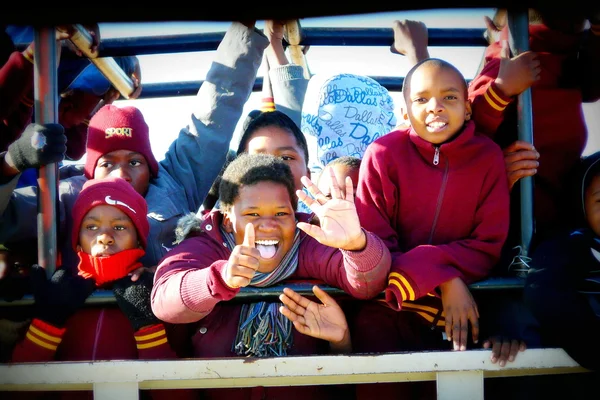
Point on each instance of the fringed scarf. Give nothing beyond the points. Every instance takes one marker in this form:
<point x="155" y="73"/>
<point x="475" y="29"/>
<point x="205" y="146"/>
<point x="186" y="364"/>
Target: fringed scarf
<point x="262" y="330"/>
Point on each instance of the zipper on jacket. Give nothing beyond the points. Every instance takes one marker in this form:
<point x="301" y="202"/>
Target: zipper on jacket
<point x="436" y="155"/>
<point x="440" y="195"/>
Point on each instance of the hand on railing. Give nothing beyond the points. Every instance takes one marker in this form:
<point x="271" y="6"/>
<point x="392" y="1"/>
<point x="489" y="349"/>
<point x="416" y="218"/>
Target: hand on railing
<point x="521" y="160"/>
<point x="38" y="145"/>
<point x="504" y="349"/>
<point x="460" y="309"/>
<point x="519" y="73"/>
<point x="411" y="40"/>
<point x="58" y="298"/>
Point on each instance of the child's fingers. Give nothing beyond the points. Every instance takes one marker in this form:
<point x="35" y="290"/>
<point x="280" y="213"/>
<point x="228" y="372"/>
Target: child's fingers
<point x="292" y="305"/>
<point x="323" y="296"/>
<point x="333" y="184"/>
<point x="505" y="51"/>
<point x="312" y="230"/>
<point x="473" y="318"/>
<point x="249" y="235"/>
<point x="313" y="190"/>
<point x="289" y="314"/>
<point x="349" y="189"/>
<point x="295" y="297"/>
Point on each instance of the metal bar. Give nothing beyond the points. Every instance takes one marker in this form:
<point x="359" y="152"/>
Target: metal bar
<point x="518" y="22"/>
<point x="184" y="43"/>
<point x="280" y="371"/>
<point x="272" y="293"/>
<point x="190" y="88"/>
<point x="107" y="65"/>
<point x="46" y="111"/>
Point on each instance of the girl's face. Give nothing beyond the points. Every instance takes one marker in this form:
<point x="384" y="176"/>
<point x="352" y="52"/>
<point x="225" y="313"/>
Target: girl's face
<point x="281" y="143"/>
<point x="268" y="207"/>
<point x="437" y="105"/>
<point x="105" y="230"/>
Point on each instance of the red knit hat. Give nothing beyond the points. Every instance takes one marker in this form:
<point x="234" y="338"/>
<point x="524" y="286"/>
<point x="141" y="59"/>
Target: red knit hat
<point x="116" y="192"/>
<point x="117" y="128"/>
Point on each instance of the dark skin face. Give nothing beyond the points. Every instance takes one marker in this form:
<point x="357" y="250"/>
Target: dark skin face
<point x="267" y="205"/>
<point x="125" y="164"/>
<point x="280" y="143"/>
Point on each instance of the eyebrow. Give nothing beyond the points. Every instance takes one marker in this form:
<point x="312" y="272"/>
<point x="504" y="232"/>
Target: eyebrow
<point x="122" y="218"/>
<point x="256" y="207"/>
<point x="284" y="148"/>
<point x="130" y="154"/>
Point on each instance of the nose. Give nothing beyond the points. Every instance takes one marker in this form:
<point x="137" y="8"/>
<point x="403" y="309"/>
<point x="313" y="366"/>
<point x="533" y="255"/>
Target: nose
<point x="434" y="105"/>
<point x="267" y="224"/>
<point x="105" y="238"/>
<point x="120" y="172"/>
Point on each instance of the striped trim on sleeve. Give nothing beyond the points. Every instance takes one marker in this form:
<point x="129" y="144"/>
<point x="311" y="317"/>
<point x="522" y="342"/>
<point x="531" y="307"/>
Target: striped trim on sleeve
<point x="150" y="337"/>
<point x="44" y="334"/>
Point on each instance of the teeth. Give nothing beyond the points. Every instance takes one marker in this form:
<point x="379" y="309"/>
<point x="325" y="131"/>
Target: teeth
<point x="267" y="242"/>
<point x="437" y="124"/>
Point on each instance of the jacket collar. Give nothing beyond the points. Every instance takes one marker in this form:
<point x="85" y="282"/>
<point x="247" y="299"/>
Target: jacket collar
<point x="452" y="152"/>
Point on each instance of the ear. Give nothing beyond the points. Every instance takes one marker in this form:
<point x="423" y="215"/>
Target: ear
<point x="227" y="223"/>
<point x="404" y="113"/>
<point x="468" y="111"/>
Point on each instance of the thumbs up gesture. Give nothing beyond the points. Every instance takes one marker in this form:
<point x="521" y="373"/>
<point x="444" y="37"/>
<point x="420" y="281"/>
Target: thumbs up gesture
<point x="243" y="261"/>
<point x="519" y="73"/>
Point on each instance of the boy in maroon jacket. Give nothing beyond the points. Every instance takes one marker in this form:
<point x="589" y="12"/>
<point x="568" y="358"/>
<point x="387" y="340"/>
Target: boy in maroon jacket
<point x="437" y="194"/>
<point x="110" y="234"/>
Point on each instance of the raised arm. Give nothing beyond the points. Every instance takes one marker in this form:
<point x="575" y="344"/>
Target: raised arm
<point x="195" y="158"/>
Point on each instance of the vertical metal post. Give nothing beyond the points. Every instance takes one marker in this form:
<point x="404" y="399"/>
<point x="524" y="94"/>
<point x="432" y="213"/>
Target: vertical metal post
<point x="518" y="23"/>
<point x="46" y="111"/>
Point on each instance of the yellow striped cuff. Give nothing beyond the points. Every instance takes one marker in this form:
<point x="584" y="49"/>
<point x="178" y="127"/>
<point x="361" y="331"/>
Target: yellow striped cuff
<point x="148" y="345"/>
<point x="491" y="102"/>
<point x="402" y="284"/>
<point x="150" y="336"/>
<point x="42" y="339"/>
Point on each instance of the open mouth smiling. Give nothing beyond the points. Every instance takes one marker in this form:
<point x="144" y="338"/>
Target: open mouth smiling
<point x="268" y="248"/>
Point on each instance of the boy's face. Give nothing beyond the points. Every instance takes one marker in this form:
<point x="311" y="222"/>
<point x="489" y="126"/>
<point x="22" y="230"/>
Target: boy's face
<point x="280" y="143"/>
<point x="105" y="230"/>
<point x="125" y="164"/>
<point x="437" y="105"/>
<point x="341" y="172"/>
<point x="592" y="204"/>
<point x="268" y="207"/>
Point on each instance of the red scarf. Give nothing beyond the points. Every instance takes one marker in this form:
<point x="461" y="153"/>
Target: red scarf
<point x="109" y="268"/>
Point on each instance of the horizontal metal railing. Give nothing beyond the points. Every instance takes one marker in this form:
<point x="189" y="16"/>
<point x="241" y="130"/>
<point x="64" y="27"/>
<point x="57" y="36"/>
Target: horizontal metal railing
<point x="208" y="41"/>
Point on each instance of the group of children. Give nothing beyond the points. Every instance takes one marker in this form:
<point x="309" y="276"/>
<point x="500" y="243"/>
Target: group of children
<point x="419" y="214"/>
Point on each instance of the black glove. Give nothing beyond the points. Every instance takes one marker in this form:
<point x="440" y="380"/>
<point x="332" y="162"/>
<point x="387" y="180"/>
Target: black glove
<point x="60" y="297"/>
<point x="38" y="145"/>
<point x="133" y="299"/>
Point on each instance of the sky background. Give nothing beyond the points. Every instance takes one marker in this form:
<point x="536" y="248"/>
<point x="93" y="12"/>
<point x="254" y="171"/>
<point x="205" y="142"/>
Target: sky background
<point x="166" y="116"/>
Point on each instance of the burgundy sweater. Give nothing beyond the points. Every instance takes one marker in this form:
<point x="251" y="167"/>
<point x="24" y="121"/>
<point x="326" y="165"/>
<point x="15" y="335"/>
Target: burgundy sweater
<point x="439" y="221"/>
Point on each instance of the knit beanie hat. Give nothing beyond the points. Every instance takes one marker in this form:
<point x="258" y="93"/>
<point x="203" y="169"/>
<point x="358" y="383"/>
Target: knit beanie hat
<point x="342" y="114"/>
<point x="118" y="128"/>
<point x="116" y="192"/>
